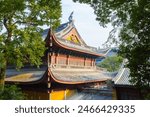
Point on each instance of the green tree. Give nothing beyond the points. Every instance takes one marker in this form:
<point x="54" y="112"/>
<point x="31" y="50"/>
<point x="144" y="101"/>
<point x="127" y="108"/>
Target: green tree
<point x="132" y="18"/>
<point x="111" y="63"/>
<point x="12" y="92"/>
<point x="20" y="31"/>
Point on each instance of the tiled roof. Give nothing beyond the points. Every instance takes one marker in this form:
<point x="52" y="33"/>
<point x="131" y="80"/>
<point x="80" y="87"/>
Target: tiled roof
<point x="81" y="47"/>
<point x="63" y="30"/>
<point x="106" y="51"/>
<point x="61" y="75"/>
<point x="103" y="51"/>
<point x="122" y="78"/>
<point x="24" y="75"/>
<point x="61" y="27"/>
<point x="79" y="75"/>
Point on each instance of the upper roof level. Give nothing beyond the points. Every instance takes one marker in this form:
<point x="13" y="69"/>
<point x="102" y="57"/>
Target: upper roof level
<point x="67" y="35"/>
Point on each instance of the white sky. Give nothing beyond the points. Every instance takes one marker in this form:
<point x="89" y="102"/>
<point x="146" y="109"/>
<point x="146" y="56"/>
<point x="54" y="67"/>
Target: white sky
<point x="85" y="22"/>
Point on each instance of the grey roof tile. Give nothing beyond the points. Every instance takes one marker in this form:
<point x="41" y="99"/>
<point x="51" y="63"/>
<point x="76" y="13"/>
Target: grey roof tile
<point x="122" y="78"/>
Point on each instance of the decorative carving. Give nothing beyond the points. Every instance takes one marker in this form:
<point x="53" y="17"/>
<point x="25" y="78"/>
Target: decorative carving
<point x="73" y="38"/>
<point x="71" y="17"/>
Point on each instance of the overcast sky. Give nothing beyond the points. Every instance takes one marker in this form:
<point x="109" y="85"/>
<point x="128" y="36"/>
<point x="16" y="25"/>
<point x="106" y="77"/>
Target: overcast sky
<point x="85" y="22"/>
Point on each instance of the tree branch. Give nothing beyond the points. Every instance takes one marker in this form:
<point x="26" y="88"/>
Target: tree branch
<point x="25" y="22"/>
<point x="5" y="22"/>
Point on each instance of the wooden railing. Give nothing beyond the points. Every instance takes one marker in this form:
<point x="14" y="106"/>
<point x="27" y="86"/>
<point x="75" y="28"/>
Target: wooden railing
<point x="72" y="66"/>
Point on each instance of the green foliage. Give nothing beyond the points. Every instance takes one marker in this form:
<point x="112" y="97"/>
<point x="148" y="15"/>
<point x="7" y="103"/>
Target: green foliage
<point x="20" y="30"/>
<point x="27" y="47"/>
<point x="111" y="63"/>
<point x="132" y="18"/>
<point x="12" y="92"/>
<point x="147" y="97"/>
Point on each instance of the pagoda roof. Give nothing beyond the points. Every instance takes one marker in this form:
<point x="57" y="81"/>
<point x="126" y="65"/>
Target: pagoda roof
<point x="25" y="75"/>
<point x="78" y="76"/>
<point x="107" y="51"/>
<point x="122" y="78"/>
<point x="67" y="36"/>
<point x="58" y="75"/>
<point x="75" y="47"/>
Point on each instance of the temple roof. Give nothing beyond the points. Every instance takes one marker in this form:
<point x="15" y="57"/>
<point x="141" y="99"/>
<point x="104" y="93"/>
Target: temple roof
<point x="64" y="76"/>
<point x="67" y="36"/>
<point x="24" y="75"/>
<point x="80" y="48"/>
<point x="122" y="78"/>
<point x="69" y="32"/>
<point x="78" y="76"/>
<point x="108" y="51"/>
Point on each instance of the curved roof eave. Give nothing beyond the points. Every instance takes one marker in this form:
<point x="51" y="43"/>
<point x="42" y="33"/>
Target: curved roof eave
<point x="75" y="49"/>
<point x="74" y="82"/>
<point x="34" y="80"/>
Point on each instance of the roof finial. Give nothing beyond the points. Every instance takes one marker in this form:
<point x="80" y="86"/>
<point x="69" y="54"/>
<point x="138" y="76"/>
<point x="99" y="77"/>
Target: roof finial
<point x="71" y="17"/>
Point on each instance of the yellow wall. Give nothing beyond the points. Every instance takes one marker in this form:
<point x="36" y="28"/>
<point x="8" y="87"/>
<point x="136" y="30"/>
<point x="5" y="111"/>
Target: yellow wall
<point x="61" y="94"/>
<point x="57" y="95"/>
<point x="69" y="93"/>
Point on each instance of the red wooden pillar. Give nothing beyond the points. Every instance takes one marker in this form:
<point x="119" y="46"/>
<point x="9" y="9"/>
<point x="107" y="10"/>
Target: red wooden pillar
<point x="68" y="58"/>
<point x="84" y="61"/>
<point x="91" y="62"/>
<point x="56" y="58"/>
<point x="49" y="59"/>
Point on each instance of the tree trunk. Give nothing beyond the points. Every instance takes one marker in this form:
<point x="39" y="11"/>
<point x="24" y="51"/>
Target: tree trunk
<point x="2" y="78"/>
<point x="7" y="24"/>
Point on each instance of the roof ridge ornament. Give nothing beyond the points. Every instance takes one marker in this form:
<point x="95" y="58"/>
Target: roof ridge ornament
<point x="70" y="18"/>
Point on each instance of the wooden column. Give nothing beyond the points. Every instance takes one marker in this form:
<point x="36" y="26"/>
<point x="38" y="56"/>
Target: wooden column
<point x="68" y="58"/>
<point x="91" y="62"/>
<point x="49" y="59"/>
<point x="84" y="61"/>
<point x="56" y="58"/>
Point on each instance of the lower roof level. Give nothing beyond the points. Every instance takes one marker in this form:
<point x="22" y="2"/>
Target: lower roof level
<point x="78" y="76"/>
<point x="59" y="75"/>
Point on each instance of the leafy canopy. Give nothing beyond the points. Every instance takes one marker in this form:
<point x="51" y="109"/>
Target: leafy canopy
<point x="132" y="19"/>
<point x="20" y="29"/>
<point x="12" y="92"/>
<point x="111" y="63"/>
